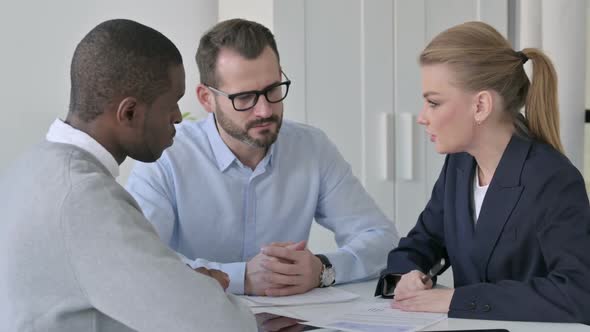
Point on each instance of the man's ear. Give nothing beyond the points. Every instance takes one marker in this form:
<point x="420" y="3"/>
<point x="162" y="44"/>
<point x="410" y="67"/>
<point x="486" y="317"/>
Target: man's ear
<point x="128" y="112"/>
<point x="484" y="104"/>
<point x="206" y="98"/>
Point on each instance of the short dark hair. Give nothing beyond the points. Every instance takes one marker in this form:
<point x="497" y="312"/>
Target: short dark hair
<point x="119" y="58"/>
<point x="245" y="37"/>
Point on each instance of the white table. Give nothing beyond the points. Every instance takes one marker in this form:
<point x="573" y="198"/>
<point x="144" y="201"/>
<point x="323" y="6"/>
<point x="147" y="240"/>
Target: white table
<point x="366" y="290"/>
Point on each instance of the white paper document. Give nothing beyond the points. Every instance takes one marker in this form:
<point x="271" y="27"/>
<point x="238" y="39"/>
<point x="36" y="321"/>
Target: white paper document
<point x="377" y="317"/>
<point x="314" y="296"/>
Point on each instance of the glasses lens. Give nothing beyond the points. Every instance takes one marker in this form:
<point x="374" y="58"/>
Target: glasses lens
<point x="277" y="93"/>
<point x="245" y="101"/>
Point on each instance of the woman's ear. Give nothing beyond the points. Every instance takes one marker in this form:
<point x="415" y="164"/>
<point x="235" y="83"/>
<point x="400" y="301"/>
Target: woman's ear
<point x="483" y="106"/>
<point x="206" y="98"/>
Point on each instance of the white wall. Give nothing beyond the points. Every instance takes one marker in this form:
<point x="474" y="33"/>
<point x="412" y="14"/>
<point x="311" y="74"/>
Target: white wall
<point x="38" y="41"/>
<point x="587" y="55"/>
<point x="587" y="103"/>
<point x="260" y="11"/>
<point x="564" y="30"/>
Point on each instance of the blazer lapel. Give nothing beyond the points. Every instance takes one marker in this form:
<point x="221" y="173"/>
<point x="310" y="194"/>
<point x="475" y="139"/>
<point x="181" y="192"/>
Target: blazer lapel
<point x="463" y="199"/>
<point x="499" y="202"/>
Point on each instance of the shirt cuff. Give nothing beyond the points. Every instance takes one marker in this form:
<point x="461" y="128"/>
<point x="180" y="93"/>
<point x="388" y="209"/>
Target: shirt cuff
<point x="237" y="274"/>
<point x="349" y="267"/>
<point x="235" y="271"/>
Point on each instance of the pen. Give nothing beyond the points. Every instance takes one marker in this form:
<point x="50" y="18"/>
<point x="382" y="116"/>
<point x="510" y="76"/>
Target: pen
<point x="433" y="271"/>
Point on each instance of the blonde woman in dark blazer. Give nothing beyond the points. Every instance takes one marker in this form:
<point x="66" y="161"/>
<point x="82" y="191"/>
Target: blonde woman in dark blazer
<point x="509" y="212"/>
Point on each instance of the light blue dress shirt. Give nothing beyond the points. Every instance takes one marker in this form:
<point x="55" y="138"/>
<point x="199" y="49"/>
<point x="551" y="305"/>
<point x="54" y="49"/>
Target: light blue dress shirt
<point x="216" y="212"/>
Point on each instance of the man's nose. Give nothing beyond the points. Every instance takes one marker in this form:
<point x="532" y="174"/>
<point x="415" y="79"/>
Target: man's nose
<point x="263" y="108"/>
<point x="177" y="116"/>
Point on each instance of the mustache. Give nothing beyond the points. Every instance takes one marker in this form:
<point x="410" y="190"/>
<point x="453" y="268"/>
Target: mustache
<point x="273" y="118"/>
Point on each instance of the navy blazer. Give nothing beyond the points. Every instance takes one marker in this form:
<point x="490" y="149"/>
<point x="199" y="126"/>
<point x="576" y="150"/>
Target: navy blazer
<point x="528" y="256"/>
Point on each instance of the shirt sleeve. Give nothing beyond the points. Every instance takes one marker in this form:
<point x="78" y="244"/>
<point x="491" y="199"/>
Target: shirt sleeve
<point x="150" y="185"/>
<point x="363" y="233"/>
<point x="128" y="274"/>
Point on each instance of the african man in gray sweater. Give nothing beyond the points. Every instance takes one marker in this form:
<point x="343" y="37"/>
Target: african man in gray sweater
<point x="78" y="253"/>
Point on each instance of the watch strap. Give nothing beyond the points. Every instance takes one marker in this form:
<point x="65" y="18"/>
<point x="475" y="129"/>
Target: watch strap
<point x="327" y="275"/>
<point x="325" y="261"/>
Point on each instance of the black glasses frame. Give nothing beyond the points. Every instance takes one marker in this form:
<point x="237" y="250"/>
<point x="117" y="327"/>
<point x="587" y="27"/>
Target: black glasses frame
<point x="258" y="93"/>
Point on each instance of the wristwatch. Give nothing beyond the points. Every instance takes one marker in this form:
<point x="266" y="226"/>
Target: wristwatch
<point x="328" y="274"/>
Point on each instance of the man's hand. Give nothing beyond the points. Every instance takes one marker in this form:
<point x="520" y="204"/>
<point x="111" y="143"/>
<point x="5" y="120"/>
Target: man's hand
<point x="430" y="300"/>
<point x="257" y="277"/>
<point x="221" y="277"/>
<point x="411" y="281"/>
<point x="294" y="269"/>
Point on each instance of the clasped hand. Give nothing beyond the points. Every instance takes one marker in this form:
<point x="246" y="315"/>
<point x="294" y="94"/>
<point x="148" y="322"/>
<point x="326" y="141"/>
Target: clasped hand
<point x="282" y="268"/>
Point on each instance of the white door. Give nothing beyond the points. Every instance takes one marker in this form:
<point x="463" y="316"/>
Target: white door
<point x="353" y="63"/>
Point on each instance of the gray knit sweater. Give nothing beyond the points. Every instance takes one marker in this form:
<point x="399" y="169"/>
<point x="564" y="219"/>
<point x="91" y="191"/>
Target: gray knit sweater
<point x="78" y="255"/>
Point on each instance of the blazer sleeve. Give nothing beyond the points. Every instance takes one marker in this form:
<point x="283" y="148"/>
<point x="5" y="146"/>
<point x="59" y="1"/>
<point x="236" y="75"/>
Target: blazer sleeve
<point x="564" y="238"/>
<point x="127" y="273"/>
<point x="424" y="244"/>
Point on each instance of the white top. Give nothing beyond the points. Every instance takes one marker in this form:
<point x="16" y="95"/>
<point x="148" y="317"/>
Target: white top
<point x="61" y="132"/>
<point x="479" y="193"/>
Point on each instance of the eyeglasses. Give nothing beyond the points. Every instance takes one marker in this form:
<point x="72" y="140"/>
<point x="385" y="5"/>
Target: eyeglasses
<point x="243" y="101"/>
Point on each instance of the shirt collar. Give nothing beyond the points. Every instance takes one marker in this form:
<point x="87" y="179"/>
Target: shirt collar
<point x="223" y="155"/>
<point x="61" y="132"/>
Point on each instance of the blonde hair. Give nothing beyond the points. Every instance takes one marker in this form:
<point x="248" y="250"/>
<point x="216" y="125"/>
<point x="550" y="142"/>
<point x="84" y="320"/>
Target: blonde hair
<point x="484" y="60"/>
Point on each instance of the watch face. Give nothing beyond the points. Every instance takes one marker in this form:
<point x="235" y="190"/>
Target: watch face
<point x="328" y="277"/>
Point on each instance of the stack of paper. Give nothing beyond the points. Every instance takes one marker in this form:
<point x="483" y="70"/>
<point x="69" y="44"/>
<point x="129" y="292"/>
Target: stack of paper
<point x="377" y="317"/>
<point x="314" y="296"/>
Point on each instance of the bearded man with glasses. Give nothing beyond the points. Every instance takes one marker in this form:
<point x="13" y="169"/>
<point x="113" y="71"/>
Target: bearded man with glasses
<point x="239" y="190"/>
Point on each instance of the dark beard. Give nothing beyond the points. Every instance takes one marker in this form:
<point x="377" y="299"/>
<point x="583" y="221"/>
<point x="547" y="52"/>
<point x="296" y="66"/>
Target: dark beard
<point x="242" y="135"/>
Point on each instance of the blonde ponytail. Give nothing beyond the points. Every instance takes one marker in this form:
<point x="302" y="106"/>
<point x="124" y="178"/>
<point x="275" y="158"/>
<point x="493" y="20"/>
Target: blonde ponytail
<point x="541" y="106"/>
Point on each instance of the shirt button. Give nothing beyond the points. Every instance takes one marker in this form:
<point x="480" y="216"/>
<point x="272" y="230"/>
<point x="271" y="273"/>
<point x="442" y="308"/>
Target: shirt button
<point x="487" y="308"/>
<point x="472" y="306"/>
